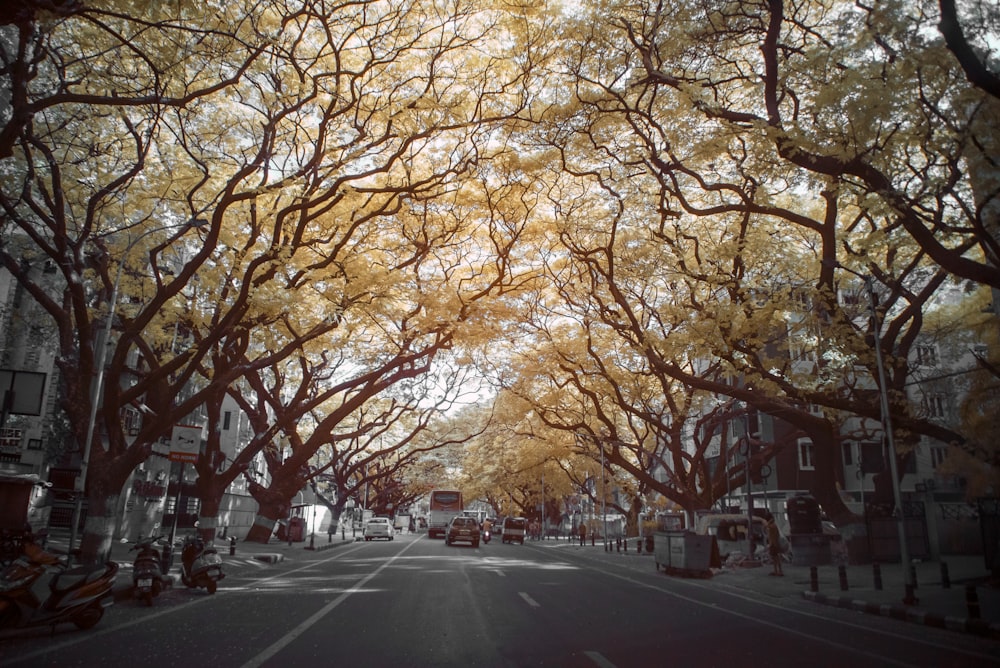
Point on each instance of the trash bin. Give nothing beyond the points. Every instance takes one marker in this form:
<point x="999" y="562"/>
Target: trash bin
<point x="810" y="549"/>
<point x="803" y="515"/>
<point x="685" y="553"/>
<point x="297" y="529"/>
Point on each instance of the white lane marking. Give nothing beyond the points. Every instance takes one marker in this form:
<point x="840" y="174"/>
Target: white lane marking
<point x="287" y="639"/>
<point x="598" y="659"/>
<point x="146" y="618"/>
<point x="527" y="599"/>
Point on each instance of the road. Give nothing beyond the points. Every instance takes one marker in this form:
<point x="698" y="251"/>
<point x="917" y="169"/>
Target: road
<point x="417" y="602"/>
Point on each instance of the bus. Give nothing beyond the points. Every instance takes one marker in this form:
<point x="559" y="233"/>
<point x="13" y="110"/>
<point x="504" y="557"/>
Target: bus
<point x="444" y="505"/>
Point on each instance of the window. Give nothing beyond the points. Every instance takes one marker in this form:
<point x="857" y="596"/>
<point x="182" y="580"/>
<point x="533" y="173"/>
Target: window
<point x="227" y="418"/>
<point x="848" y="449"/>
<point x="934" y="405"/>
<point x="938" y="456"/>
<point x="806" y="455"/>
<point x="850" y="297"/>
<point x="872" y="459"/>
<point x="927" y="355"/>
<point x="131" y="421"/>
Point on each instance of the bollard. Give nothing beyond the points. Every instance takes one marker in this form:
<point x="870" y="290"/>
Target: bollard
<point x="813" y="579"/>
<point x="842" y="572"/>
<point x="945" y="578"/>
<point x="618" y="544"/>
<point x="626" y="545"/>
<point x="343" y="533"/>
<point x="877" y="573"/>
<point x="166" y="558"/>
<point x="232" y="546"/>
<point x="972" y="601"/>
<point x="638" y="546"/>
<point x="913" y="575"/>
<point x="592" y="539"/>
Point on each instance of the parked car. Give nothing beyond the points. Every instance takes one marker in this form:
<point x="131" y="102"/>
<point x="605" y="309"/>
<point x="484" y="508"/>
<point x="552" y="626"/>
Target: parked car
<point x="514" y="529"/>
<point x="379" y="527"/>
<point x="463" y="530"/>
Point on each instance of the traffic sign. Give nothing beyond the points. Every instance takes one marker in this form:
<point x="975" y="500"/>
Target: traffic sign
<point x="185" y="443"/>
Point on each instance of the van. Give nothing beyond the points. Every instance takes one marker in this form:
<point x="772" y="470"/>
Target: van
<point x="514" y="529"/>
<point x="730" y="531"/>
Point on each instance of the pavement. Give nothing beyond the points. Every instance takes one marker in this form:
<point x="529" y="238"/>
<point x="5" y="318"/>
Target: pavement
<point x="955" y="593"/>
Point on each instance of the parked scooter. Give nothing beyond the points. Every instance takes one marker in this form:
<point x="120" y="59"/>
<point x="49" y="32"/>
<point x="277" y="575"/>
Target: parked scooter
<point x="201" y="565"/>
<point x="78" y="595"/>
<point x="147" y="577"/>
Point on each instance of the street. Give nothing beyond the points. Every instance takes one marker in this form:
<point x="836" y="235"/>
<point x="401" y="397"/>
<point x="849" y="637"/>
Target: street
<point x="417" y="602"/>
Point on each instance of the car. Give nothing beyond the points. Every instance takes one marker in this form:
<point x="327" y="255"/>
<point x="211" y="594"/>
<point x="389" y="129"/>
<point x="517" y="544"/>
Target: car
<point x="379" y="527"/>
<point x="514" y="529"/>
<point x="463" y="530"/>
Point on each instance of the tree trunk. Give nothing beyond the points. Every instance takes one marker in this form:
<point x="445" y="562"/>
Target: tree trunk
<point x="271" y="507"/>
<point x="208" y="523"/>
<point x="99" y="529"/>
<point x="263" y="527"/>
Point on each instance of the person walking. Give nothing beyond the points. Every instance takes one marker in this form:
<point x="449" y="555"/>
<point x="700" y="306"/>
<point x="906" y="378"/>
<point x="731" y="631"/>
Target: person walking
<point x="583" y="533"/>
<point x="774" y="544"/>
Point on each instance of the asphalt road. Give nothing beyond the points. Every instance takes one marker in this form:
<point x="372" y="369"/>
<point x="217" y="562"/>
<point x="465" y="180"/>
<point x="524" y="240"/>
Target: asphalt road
<point x="417" y="602"/>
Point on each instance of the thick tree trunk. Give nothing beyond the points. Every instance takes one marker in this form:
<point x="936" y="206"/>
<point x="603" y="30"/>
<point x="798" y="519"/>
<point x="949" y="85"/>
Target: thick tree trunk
<point x="208" y="519"/>
<point x="262" y="529"/>
<point x="99" y="529"/>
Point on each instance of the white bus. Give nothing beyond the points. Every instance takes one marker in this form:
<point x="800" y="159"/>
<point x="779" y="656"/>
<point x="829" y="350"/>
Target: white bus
<point x="444" y="505"/>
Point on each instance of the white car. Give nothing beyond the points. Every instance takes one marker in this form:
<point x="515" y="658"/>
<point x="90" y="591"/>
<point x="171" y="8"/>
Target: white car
<point x="379" y="527"/>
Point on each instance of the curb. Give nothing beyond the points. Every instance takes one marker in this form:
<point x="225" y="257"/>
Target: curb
<point x="977" y="627"/>
<point x="269" y="557"/>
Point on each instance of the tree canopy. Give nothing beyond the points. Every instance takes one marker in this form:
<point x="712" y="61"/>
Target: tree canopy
<point x="634" y="219"/>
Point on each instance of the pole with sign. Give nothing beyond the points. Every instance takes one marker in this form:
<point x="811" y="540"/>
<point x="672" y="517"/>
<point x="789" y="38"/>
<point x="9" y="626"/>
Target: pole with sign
<point x="185" y="446"/>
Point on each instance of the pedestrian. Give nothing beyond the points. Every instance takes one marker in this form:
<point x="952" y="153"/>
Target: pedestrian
<point x="774" y="544"/>
<point x="583" y="533"/>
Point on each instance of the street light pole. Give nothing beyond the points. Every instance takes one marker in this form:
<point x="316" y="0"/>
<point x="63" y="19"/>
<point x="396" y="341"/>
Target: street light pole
<point x="80" y="484"/>
<point x="888" y="442"/>
<point x="897" y="499"/>
<point x="604" y="498"/>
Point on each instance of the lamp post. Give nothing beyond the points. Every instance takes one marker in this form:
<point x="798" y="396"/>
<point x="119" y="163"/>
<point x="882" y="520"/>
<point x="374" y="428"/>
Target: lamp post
<point x="889" y="443"/>
<point x="747" y="452"/>
<point x="604" y="499"/>
<point x="80" y="484"/>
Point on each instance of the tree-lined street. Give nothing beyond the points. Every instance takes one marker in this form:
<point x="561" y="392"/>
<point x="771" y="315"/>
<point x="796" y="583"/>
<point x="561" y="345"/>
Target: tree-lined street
<point x="416" y="601"/>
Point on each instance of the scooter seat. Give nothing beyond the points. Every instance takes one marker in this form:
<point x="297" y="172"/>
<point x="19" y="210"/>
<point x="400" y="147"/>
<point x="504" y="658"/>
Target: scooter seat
<point x="76" y="577"/>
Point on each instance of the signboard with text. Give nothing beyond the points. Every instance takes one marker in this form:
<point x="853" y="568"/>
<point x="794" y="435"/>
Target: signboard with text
<point x="185" y="443"/>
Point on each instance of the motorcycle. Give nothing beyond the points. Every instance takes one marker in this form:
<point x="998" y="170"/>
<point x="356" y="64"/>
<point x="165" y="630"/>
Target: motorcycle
<point x="147" y="577"/>
<point x="78" y="595"/>
<point x="201" y="565"/>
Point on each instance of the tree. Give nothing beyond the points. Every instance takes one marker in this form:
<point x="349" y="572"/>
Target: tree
<point x="691" y="153"/>
<point x="301" y="133"/>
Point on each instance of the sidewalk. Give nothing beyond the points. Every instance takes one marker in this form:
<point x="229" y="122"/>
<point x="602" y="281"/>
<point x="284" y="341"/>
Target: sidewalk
<point x="968" y="600"/>
<point x="245" y="554"/>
